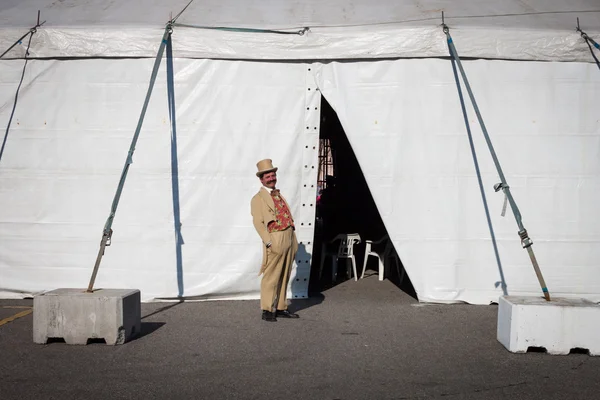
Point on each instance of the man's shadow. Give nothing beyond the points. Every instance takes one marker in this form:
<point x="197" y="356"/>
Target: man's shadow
<point x="301" y="299"/>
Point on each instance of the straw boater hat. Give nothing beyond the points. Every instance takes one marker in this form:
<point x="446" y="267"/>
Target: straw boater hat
<point x="265" y="166"/>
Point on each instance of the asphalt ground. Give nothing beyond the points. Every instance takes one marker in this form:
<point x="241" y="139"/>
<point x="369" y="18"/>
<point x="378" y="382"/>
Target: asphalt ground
<point x="357" y="340"/>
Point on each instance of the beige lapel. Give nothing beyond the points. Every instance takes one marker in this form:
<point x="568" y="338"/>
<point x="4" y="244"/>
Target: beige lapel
<point x="266" y="196"/>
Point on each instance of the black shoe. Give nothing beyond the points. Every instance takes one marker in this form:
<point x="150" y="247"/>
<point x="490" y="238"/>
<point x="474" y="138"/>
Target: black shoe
<point x="269" y="316"/>
<point x="286" y="314"/>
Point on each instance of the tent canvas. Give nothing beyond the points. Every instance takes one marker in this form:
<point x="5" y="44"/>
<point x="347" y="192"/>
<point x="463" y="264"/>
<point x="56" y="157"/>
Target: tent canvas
<point x="245" y="96"/>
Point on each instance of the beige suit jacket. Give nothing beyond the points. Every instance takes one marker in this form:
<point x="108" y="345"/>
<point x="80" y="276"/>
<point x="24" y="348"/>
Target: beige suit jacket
<point x="262" y="209"/>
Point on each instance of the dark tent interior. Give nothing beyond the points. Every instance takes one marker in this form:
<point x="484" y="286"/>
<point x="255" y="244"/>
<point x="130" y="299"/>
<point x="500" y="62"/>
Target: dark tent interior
<point x="345" y="206"/>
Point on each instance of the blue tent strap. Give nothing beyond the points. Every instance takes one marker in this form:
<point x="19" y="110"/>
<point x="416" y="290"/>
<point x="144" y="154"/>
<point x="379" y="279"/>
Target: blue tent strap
<point x="107" y="232"/>
<point x="589" y="41"/>
<point x="596" y="45"/>
<point x="245" y="30"/>
<point x="593" y="54"/>
<point x="479" y="179"/>
<point x="12" y="114"/>
<point x="526" y="241"/>
<point x="19" y="40"/>
<point x="586" y="37"/>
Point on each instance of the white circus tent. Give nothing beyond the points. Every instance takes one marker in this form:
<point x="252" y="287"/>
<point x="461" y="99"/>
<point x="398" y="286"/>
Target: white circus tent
<point x="252" y="89"/>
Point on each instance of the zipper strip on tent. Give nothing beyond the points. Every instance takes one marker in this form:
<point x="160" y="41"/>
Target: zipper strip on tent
<point x="526" y="242"/>
<point x="107" y="232"/>
<point x="305" y="226"/>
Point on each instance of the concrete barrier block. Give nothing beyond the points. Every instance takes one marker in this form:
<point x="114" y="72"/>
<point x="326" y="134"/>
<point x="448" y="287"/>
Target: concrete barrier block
<point x="77" y="316"/>
<point x="558" y="326"/>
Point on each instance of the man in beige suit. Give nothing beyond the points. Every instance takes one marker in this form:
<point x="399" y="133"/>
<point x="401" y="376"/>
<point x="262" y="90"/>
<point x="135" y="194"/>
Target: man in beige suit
<point x="274" y="223"/>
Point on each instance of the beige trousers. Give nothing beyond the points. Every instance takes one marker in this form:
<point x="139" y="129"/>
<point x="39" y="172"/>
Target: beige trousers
<point x="280" y="257"/>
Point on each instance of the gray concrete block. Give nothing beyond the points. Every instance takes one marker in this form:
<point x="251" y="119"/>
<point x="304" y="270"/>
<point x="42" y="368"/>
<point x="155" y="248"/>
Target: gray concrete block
<point x="558" y="326"/>
<point x="76" y="316"/>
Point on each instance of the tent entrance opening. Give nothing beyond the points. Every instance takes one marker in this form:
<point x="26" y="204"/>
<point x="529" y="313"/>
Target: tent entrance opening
<point x="345" y="206"/>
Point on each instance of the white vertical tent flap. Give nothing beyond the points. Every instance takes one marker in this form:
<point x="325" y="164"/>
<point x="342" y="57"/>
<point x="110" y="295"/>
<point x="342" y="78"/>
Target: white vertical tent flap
<point x="404" y="122"/>
<point x="68" y="143"/>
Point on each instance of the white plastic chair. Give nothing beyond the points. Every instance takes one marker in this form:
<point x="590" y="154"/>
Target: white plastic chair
<point x="388" y="252"/>
<point x="345" y="250"/>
